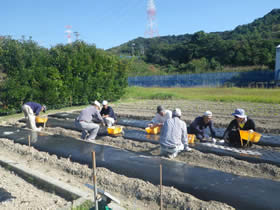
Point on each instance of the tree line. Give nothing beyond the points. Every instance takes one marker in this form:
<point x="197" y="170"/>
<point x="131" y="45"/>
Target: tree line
<point x="247" y="45"/>
<point x="64" y="75"/>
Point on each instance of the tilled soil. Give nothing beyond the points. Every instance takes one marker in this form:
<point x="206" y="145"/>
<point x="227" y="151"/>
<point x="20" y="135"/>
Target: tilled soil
<point x="24" y="195"/>
<point x="266" y="116"/>
<point x="134" y="193"/>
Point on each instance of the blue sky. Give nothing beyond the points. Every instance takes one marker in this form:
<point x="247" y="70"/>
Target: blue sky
<point x="109" y="23"/>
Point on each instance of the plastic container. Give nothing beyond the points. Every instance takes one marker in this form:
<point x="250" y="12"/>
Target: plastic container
<point x="249" y="136"/>
<point x="191" y="138"/>
<point x="114" y="130"/>
<point x="154" y="130"/>
<point x="41" y="119"/>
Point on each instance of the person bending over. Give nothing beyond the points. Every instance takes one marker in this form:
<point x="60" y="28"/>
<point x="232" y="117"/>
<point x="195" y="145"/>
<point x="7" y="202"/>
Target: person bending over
<point x="31" y="110"/>
<point x="87" y="119"/>
<point x="161" y="116"/>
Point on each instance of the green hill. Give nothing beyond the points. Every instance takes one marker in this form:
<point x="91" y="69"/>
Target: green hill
<point x="250" y="45"/>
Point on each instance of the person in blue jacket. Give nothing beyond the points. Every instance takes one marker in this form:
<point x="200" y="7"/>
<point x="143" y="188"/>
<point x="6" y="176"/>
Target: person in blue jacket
<point x="199" y="125"/>
<point x="31" y="110"/>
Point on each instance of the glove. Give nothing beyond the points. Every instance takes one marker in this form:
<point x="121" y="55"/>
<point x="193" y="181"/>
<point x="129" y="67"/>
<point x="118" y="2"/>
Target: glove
<point x="214" y="140"/>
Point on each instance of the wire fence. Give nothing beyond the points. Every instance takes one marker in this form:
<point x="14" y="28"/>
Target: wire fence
<point x="205" y="79"/>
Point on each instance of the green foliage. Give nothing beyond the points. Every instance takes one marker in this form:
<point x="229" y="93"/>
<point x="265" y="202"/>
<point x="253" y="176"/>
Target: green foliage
<point x="247" y="45"/>
<point x="64" y="75"/>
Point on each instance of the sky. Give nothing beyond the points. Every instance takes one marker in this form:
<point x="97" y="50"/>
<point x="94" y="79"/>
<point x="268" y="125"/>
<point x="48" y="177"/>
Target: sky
<point x="109" y="23"/>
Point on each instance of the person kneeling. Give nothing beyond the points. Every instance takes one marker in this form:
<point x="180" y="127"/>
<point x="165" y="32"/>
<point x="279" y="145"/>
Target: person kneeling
<point x="108" y="114"/>
<point x="241" y="122"/>
<point x="199" y="125"/>
<point x="173" y="136"/>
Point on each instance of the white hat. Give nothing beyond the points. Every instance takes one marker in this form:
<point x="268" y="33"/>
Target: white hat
<point x="97" y="103"/>
<point x="177" y="112"/>
<point x="104" y="103"/>
<point x="239" y="113"/>
<point x="207" y="114"/>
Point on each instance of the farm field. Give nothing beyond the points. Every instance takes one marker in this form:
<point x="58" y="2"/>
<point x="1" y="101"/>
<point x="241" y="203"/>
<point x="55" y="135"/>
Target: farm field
<point x="143" y="194"/>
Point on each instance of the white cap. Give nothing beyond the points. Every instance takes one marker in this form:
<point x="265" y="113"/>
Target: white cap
<point x="207" y="114"/>
<point x="104" y="103"/>
<point x="97" y="104"/>
<point x="177" y="112"/>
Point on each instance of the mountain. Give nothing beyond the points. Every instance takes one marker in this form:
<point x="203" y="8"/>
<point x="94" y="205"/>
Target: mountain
<point x="251" y="44"/>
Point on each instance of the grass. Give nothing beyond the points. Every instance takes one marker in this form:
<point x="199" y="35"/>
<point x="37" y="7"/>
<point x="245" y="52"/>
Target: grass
<point x="270" y="96"/>
<point x="88" y="205"/>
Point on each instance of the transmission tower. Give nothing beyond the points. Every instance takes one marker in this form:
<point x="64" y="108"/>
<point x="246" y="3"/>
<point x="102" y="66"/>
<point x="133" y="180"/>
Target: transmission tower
<point x="77" y="34"/>
<point x="69" y="33"/>
<point x="151" y="30"/>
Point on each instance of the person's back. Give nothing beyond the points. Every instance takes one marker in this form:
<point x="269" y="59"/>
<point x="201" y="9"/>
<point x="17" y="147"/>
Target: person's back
<point x="173" y="136"/>
<point x="173" y="132"/>
<point x="88" y="113"/>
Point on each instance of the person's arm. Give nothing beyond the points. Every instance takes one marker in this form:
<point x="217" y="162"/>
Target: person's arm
<point x="184" y="137"/>
<point x="154" y="121"/>
<point x="212" y="129"/>
<point x="37" y="110"/>
<point x="99" y="117"/>
<point x="111" y="113"/>
<point x="252" y="125"/>
<point x="229" y="128"/>
<point x="195" y="126"/>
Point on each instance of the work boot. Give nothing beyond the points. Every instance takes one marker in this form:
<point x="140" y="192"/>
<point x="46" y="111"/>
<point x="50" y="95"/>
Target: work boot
<point x="188" y="149"/>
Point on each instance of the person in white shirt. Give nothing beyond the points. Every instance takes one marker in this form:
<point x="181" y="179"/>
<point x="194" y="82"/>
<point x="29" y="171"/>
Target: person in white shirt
<point x="174" y="136"/>
<point x="161" y="116"/>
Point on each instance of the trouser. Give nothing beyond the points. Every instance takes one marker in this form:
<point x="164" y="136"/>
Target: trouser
<point x="234" y="139"/>
<point x="29" y="117"/>
<point x="109" y="121"/>
<point x="171" y="151"/>
<point x="86" y="127"/>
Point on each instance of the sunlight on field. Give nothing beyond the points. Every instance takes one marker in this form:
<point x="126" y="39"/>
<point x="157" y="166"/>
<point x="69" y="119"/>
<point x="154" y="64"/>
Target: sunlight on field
<point x="211" y="94"/>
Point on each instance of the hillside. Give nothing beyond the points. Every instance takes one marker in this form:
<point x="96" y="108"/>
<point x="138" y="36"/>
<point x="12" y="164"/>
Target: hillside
<point x="247" y="45"/>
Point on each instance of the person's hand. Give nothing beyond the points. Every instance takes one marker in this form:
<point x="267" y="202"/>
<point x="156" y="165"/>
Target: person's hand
<point x="206" y="137"/>
<point x="150" y="125"/>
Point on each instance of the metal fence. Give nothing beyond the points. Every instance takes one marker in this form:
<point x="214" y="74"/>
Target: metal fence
<point x="203" y="80"/>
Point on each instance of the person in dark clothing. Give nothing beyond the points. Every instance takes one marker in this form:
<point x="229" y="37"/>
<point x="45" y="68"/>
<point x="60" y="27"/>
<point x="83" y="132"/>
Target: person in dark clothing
<point x="199" y="125"/>
<point x="108" y="114"/>
<point x="241" y="122"/>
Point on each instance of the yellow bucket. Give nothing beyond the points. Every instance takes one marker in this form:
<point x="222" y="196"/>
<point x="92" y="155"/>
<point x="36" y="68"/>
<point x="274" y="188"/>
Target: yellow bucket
<point x="41" y="119"/>
<point x="154" y="130"/>
<point x="191" y="138"/>
<point x="250" y="136"/>
<point x="114" y="129"/>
